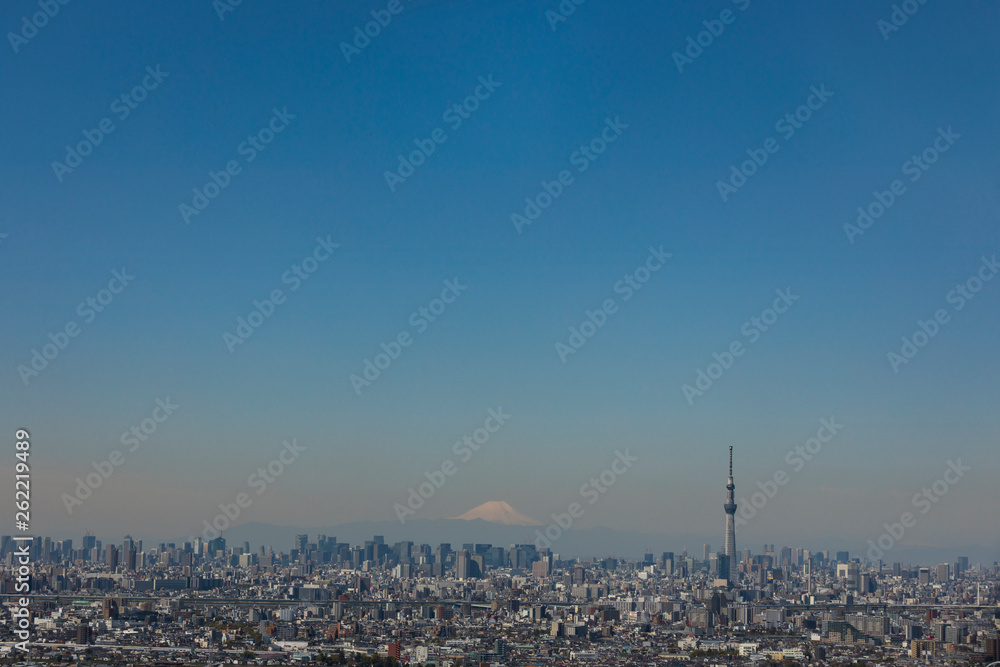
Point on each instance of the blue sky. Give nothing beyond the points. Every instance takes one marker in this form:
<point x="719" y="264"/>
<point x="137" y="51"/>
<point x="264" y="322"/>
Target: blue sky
<point x="655" y="185"/>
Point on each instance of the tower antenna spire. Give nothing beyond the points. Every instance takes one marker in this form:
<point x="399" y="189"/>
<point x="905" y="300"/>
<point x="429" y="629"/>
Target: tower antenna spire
<point x="730" y="508"/>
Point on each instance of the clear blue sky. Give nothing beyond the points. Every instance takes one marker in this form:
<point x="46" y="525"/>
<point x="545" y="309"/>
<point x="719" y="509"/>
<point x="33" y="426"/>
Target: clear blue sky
<point x="656" y="184"/>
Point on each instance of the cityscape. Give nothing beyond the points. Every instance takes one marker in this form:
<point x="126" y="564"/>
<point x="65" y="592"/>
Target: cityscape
<point x="328" y="602"/>
<point x="492" y="333"/>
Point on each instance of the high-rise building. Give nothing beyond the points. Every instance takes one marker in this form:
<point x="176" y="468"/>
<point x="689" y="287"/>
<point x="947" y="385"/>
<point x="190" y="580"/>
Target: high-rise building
<point x="444" y="551"/>
<point x="992" y="646"/>
<point x="723" y="568"/>
<point x="730" y="508"/>
<point x="111" y="557"/>
<point x="668" y="562"/>
<point x="217" y="545"/>
<point x="850" y="573"/>
<point x="403" y="551"/>
<point x="477" y="566"/>
<point x="706" y="551"/>
<point x="462" y="564"/>
<point x="522" y="556"/>
<point x="496" y="557"/>
<point x="84" y="634"/>
<point x="109" y="608"/>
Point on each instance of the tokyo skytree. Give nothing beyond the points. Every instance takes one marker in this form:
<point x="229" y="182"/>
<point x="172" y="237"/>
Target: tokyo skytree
<point x="730" y="507"/>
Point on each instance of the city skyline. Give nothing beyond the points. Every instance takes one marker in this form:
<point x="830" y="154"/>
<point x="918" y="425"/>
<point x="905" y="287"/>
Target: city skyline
<point x="92" y="548"/>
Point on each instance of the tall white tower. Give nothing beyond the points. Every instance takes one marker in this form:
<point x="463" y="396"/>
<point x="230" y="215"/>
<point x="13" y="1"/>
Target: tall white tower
<point x="730" y="508"/>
